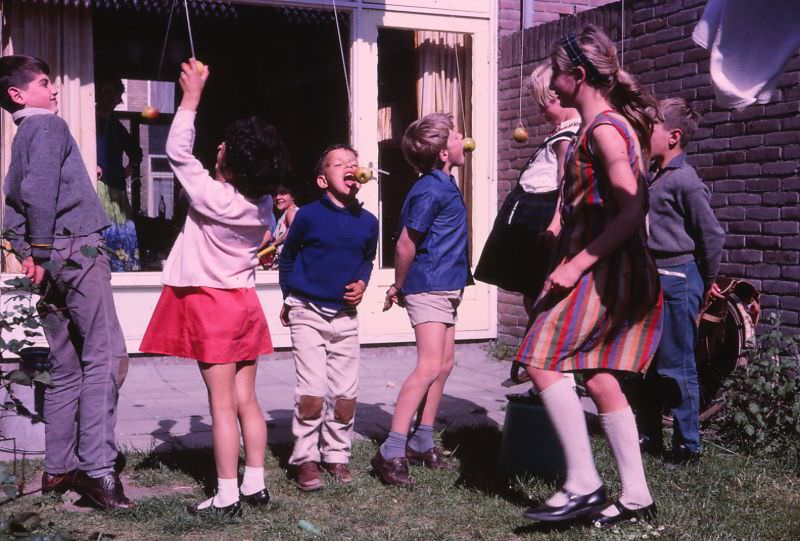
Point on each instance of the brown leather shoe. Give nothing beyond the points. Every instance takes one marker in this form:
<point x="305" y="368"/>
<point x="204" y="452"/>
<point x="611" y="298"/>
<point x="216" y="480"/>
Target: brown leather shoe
<point x="105" y="492"/>
<point x="340" y="472"/>
<point x="433" y="458"/>
<point x="308" y="478"/>
<point x="57" y="482"/>
<point x="393" y="471"/>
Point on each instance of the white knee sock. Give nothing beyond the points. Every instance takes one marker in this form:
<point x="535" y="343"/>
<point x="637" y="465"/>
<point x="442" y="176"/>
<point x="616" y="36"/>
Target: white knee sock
<point x="623" y="438"/>
<point x="253" y="480"/>
<point x="227" y="494"/>
<point x="566" y="414"/>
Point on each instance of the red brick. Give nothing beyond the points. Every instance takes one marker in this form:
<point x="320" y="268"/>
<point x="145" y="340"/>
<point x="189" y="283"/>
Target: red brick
<point x="744" y="170"/>
<point x="780" y="168"/>
<point x="746" y="141"/>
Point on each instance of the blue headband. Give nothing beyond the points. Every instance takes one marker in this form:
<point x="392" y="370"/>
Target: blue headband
<point x="577" y="58"/>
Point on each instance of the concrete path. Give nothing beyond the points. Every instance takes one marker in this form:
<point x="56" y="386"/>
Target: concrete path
<point x="163" y="402"/>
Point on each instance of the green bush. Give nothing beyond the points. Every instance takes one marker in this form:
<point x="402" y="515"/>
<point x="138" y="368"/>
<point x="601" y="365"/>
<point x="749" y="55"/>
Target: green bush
<point x="761" y="413"/>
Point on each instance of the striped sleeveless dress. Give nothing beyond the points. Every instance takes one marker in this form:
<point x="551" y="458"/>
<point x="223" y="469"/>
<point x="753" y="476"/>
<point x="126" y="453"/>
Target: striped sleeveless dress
<point x="612" y="318"/>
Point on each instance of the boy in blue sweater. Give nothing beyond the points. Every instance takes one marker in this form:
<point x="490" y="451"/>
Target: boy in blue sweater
<point x="53" y="219"/>
<point x="686" y="241"/>
<point x="324" y="269"/>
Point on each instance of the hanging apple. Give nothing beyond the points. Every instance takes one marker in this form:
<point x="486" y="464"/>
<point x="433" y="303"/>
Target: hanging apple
<point x="469" y="144"/>
<point x="150" y="113"/>
<point x="363" y="175"/>
<point x="520" y="134"/>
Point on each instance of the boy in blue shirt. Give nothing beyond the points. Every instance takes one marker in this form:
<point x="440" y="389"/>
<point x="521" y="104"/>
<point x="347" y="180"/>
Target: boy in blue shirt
<point x="52" y="220"/>
<point x="431" y="271"/>
<point x="324" y="268"/>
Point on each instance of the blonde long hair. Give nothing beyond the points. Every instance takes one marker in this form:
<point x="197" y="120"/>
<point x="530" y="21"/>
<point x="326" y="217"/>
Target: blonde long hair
<point x="597" y="54"/>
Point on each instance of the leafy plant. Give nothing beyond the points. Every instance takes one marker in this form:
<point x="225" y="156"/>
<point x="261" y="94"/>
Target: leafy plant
<point x="762" y="399"/>
<point x="21" y="315"/>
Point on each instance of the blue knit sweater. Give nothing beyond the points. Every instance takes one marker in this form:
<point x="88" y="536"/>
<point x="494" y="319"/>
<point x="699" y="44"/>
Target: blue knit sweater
<point x="327" y="248"/>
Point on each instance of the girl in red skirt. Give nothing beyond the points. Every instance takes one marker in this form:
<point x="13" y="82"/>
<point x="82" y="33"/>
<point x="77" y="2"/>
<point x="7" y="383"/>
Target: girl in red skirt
<point x="208" y="309"/>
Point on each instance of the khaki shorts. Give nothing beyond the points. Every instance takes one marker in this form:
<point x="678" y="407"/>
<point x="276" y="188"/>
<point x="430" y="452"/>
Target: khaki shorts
<point x="433" y="307"/>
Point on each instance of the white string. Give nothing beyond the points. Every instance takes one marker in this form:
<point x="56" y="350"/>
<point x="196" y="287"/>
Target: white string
<point x="344" y="64"/>
<point x="521" y="61"/>
<point x="622" y="35"/>
<point x="189" y="27"/>
<point x="458" y="85"/>
<point x="166" y="39"/>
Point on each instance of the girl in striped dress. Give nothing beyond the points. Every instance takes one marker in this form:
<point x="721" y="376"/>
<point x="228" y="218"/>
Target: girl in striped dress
<point x="600" y="310"/>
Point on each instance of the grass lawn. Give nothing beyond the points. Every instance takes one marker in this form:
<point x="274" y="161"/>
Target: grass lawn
<point x="725" y="497"/>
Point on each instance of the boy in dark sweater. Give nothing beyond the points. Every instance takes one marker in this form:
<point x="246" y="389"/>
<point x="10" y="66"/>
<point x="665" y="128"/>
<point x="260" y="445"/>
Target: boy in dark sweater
<point x="686" y="241"/>
<point x="52" y="220"/>
<point x="324" y="268"/>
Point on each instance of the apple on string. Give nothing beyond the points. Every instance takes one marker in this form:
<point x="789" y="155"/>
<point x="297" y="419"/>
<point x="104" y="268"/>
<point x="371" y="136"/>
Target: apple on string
<point x="363" y="175"/>
<point x="469" y="144"/>
<point x="520" y="134"/>
<point x="150" y="112"/>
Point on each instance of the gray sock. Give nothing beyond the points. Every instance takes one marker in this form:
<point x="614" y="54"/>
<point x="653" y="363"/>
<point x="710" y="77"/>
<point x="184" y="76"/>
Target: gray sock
<point x="97" y="474"/>
<point x="394" y="446"/>
<point x="422" y="440"/>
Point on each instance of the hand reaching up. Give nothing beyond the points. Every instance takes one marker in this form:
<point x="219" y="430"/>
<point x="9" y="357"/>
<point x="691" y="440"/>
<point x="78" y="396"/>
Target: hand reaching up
<point x="194" y="75"/>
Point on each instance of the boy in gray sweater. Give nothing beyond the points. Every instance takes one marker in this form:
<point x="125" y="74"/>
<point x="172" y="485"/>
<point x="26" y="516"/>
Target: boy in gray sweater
<point x="686" y="241"/>
<point x="53" y="220"/>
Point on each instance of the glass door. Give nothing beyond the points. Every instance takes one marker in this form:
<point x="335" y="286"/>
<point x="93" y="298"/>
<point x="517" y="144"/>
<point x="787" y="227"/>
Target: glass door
<point x="410" y="65"/>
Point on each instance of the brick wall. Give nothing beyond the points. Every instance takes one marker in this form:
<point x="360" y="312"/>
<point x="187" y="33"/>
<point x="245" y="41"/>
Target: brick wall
<point x="543" y="11"/>
<point x="750" y="159"/>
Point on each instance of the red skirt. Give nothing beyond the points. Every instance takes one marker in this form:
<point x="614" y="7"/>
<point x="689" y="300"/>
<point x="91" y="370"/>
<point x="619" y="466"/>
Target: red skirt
<point x="207" y="324"/>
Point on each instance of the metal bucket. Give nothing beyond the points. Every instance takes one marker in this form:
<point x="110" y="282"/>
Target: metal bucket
<point x="529" y="444"/>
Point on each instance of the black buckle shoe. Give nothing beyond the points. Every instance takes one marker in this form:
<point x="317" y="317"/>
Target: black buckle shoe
<point x="651" y="446"/>
<point x="682" y="456"/>
<point x="577" y="506"/>
<point x="257" y="498"/>
<point x="233" y="510"/>
<point x="626" y="516"/>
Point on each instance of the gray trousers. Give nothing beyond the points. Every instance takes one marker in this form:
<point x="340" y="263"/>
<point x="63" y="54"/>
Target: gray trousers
<point x="87" y="352"/>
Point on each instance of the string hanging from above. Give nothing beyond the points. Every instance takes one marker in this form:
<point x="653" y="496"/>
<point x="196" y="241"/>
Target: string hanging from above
<point x="151" y="112"/>
<point x="362" y="174"/>
<point x="520" y="133"/>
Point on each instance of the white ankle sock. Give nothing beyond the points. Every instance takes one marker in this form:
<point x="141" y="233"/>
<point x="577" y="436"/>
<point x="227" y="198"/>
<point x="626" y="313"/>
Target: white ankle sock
<point x="253" y="480"/>
<point x="623" y="438"/>
<point x="566" y="414"/>
<point x="227" y="494"/>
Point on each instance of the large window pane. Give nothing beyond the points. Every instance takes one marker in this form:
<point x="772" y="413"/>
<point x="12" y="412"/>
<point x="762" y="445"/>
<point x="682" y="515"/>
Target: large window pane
<point x="419" y="72"/>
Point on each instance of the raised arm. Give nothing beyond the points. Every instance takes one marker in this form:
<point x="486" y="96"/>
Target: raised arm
<point x="206" y="195"/>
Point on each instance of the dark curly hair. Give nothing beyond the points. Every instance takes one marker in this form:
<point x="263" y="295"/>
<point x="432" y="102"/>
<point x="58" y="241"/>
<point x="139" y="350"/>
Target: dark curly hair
<point x="255" y="157"/>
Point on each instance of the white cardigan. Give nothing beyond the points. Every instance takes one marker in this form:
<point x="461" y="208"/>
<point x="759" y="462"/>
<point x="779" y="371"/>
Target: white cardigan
<point x="218" y="243"/>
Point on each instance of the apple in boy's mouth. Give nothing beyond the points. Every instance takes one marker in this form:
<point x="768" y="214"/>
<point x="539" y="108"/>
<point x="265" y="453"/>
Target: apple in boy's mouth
<point x="363" y="175"/>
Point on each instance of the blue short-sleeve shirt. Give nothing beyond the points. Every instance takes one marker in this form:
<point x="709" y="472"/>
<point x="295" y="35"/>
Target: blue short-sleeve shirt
<point x="435" y="208"/>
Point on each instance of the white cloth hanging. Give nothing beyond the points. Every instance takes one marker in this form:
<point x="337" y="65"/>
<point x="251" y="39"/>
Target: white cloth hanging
<point x="750" y="41"/>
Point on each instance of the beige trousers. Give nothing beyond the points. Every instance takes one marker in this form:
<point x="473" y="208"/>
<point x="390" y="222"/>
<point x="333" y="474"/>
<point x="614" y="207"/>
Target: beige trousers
<point x="326" y="354"/>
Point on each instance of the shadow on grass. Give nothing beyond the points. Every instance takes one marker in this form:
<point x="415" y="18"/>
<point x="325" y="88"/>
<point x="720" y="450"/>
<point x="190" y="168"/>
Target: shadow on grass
<point x="478" y="449"/>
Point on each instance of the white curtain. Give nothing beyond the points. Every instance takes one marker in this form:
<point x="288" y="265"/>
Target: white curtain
<point x="444" y="84"/>
<point x="62" y="36"/>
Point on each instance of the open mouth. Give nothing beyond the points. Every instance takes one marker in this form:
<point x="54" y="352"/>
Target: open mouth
<point x="350" y="180"/>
